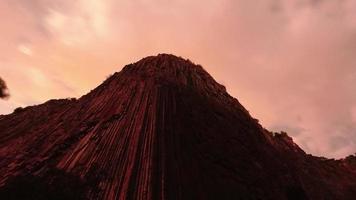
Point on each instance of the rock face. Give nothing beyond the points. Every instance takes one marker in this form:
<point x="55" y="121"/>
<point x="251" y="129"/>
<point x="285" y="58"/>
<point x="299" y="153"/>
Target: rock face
<point x="162" y="128"/>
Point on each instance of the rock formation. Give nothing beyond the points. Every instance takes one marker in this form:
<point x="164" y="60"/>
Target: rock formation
<point x="162" y="128"/>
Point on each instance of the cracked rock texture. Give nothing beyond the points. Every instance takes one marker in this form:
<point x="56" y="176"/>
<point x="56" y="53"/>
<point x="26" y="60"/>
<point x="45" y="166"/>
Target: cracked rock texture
<point x="162" y="128"/>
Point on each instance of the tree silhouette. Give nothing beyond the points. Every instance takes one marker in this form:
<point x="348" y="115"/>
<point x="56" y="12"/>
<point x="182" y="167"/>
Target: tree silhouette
<point x="3" y="89"/>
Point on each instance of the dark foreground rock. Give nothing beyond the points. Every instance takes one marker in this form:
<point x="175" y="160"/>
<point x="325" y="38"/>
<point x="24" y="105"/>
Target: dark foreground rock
<point x="162" y="128"/>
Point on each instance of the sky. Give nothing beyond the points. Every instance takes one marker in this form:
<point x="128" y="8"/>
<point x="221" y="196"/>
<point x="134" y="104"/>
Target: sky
<point x="291" y="63"/>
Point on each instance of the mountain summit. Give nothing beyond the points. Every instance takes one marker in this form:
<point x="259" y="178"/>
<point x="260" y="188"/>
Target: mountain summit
<point x="162" y="128"/>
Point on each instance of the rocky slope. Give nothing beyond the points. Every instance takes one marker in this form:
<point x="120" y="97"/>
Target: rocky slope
<point x="162" y="128"/>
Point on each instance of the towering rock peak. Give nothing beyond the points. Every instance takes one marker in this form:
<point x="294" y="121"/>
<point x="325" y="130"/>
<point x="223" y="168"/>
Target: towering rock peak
<point x="162" y="128"/>
<point x="163" y="64"/>
<point x="169" y="70"/>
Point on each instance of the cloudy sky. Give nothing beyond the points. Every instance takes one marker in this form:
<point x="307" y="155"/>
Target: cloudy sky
<point x="291" y="63"/>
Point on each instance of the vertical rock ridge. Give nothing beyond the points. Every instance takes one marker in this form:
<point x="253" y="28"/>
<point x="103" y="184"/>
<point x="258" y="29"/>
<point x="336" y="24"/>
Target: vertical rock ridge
<point x="162" y="128"/>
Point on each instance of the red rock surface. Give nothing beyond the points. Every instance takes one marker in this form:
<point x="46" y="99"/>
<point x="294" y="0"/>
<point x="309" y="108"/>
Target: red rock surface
<point x="162" y="128"/>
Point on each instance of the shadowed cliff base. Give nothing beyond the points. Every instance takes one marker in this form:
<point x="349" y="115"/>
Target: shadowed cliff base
<point x="162" y="128"/>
